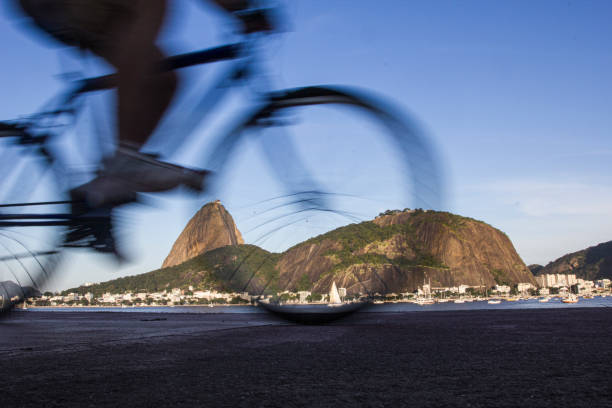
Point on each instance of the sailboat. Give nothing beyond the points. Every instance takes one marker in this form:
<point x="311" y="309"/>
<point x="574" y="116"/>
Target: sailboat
<point x="334" y="296"/>
<point x="427" y="300"/>
<point x="570" y="298"/>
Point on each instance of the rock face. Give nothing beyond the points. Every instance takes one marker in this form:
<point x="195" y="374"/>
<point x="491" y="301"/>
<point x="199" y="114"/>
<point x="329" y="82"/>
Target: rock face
<point x="210" y="228"/>
<point x="397" y="251"/>
<point x="592" y="263"/>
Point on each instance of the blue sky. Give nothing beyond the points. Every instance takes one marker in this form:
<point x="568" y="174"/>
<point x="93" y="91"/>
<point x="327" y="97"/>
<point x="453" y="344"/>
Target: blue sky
<point x="515" y="95"/>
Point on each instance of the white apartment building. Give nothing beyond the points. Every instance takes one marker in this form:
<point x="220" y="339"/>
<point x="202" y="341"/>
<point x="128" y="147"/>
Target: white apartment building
<point x="201" y="294"/>
<point x="552" y="280"/>
<point x="303" y="294"/>
<point x="502" y="289"/>
<point x="245" y="296"/>
<point x="524" y="287"/>
<point x="585" y="285"/>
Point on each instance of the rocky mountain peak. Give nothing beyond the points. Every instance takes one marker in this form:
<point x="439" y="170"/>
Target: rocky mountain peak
<point x="398" y="250"/>
<point x="210" y="228"/>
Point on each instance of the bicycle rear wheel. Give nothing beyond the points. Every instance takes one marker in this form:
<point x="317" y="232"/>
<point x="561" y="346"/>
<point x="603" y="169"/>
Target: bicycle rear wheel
<point x="29" y="240"/>
<point x="316" y="159"/>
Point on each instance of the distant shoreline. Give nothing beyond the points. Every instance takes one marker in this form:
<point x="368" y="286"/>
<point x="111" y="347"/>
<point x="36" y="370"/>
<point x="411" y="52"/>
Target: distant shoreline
<point x="126" y="307"/>
<point x="392" y="307"/>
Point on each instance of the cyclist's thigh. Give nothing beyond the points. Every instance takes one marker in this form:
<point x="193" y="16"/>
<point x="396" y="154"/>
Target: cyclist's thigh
<point x="133" y="42"/>
<point x="92" y="24"/>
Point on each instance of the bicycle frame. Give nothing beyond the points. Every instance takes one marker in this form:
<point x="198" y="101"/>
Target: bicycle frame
<point x="242" y="56"/>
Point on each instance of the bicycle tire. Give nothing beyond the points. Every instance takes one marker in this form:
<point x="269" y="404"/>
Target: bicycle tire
<point x="29" y="256"/>
<point x="417" y="156"/>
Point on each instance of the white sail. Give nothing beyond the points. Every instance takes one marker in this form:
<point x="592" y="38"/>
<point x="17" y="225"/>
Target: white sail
<point x="334" y="297"/>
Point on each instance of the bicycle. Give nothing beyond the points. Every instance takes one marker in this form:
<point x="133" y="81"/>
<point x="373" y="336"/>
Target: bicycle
<point x="32" y="243"/>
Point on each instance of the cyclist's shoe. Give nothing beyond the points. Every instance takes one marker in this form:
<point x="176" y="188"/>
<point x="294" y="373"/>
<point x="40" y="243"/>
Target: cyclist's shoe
<point x="128" y="173"/>
<point x="92" y="228"/>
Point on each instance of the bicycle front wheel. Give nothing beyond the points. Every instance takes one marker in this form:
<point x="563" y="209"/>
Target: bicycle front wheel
<point x="316" y="159"/>
<point x="30" y="234"/>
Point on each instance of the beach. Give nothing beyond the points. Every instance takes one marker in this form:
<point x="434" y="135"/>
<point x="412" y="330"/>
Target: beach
<point x="476" y="358"/>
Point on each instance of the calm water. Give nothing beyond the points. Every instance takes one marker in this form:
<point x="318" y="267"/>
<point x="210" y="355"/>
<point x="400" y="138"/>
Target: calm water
<point x="384" y="308"/>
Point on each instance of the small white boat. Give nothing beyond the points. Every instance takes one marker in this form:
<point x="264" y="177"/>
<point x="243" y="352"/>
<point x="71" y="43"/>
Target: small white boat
<point x="425" y="301"/>
<point x="334" y="296"/>
<point x="459" y="301"/>
<point x="494" y="302"/>
<point x="544" y="300"/>
<point x="571" y="298"/>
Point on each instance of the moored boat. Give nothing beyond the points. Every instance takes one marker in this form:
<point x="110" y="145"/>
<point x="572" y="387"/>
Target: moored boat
<point x="425" y="301"/>
<point x="571" y="298"/>
<point x="334" y="296"/>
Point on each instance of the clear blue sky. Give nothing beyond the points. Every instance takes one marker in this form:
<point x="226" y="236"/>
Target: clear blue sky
<point x="515" y="95"/>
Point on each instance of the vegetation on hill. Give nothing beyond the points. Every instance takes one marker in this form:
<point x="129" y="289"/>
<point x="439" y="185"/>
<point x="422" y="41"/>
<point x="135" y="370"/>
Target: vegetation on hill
<point x="535" y="268"/>
<point x="355" y="237"/>
<point x="403" y="246"/>
<point x="591" y="263"/>
<point x="229" y="268"/>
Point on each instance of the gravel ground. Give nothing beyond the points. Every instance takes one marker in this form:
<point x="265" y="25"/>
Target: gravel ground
<point x="509" y="358"/>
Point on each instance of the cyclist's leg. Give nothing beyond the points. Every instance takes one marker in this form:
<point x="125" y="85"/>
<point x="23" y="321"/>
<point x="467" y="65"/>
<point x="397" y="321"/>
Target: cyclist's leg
<point x="144" y="93"/>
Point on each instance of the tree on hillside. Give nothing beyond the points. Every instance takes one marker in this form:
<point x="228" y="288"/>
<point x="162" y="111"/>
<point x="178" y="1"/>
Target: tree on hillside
<point x="304" y="283"/>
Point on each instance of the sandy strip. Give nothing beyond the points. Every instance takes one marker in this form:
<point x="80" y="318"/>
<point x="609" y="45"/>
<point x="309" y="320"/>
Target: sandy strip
<point x="510" y="358"/>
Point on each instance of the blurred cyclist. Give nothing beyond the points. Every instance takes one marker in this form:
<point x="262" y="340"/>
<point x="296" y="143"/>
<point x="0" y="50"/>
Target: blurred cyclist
<point x="124" y="32"/>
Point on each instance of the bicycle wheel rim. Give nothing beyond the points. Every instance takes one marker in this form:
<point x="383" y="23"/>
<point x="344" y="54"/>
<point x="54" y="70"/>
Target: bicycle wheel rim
<point x="420" y="174"/>
<point x="29" y="255"/>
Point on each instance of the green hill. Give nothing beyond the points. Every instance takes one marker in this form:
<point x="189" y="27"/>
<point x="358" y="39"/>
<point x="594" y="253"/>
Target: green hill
<point x="591" y="263"/>
<point x="229" y="268"/>
<point x="395" y="252"/>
